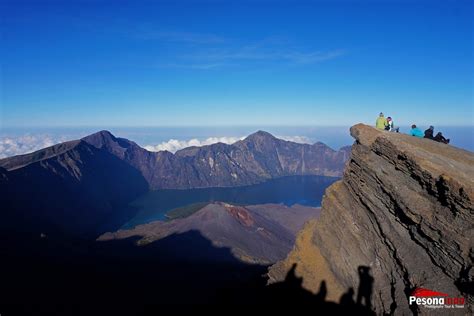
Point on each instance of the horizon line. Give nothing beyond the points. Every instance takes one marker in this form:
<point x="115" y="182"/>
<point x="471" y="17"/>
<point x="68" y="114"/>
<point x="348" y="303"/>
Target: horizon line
<point x="102" y="127"/>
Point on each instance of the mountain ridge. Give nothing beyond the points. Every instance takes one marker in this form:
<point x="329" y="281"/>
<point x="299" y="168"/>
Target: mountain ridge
<point x="72" y="191"/>
<point x="92" y="174"/>
<point x="259" y="150"/>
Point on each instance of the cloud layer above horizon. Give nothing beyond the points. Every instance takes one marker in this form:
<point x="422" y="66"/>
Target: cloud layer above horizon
<point x="173" y="145"/>
<point x="27" y="143"/>
<point x="23" y="144"/>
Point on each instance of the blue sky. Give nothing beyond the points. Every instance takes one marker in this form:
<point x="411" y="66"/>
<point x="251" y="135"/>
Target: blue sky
<point x="210" y="63"/>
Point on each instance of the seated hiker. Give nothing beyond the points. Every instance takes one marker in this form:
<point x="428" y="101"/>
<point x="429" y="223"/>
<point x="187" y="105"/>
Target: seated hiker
<point x="390" y="126"/>
<point x="415" y="131"/>
<point x="381" y="122"/>
<point x="429" y="133"/>
<point x="440" y="138"/>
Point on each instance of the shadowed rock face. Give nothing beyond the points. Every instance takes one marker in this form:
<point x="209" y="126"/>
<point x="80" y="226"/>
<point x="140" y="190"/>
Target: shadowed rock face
<point x="260" y="234"/>
<point x="404" y="208"/>
<point x="73" y="188"/>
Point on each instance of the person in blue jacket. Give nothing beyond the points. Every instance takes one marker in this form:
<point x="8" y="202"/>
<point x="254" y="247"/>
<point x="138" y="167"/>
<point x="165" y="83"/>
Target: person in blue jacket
<point x="415" y="131"/>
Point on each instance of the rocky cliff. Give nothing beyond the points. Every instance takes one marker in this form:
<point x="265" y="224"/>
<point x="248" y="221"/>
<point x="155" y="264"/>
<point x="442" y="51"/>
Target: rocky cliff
<point x="404" y="210"/>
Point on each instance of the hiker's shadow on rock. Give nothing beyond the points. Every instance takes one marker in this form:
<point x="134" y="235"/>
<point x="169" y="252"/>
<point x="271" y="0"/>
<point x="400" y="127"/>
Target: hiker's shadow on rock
<point x="291" y="291"/>
<point x="113" y="271"/>
<point x="366" y="282"/>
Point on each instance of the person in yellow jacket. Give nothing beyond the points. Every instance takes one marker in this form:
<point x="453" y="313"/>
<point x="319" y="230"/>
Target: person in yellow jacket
<point x="381" y="122"/>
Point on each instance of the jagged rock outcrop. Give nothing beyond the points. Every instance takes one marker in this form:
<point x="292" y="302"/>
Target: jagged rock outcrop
<point x="404" y="208"/>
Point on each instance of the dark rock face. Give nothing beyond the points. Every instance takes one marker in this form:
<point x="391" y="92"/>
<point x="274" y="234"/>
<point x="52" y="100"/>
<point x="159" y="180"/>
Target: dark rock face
<point x="260" y="234"/>
<point x="74" y="191"/>
<point x="404" y="209"/>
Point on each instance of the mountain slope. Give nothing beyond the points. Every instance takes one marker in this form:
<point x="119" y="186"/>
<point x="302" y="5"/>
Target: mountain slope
<point x="71" y="188"/>
<point x="80" y="186"/>
<point x="404" y="209"/>
<point x="259" y="157"/>
<point x="260" y="234"/>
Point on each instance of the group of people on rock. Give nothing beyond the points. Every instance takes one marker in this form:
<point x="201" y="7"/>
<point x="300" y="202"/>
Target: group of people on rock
<point x="388" y="125"/>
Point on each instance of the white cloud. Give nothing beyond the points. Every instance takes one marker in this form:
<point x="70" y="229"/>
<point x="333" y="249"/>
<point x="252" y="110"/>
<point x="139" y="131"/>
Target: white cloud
<point x="23" y="144"/>
<point x="18" y="145"/>
<point x="174" y="145"/>
<point x="296" y="139"/>
<point x="267" y="49"/>
<point x="147" y="33"/>
<point x="277" y="54"/>
<point x="312" y="57"/>
<point x="219" y="52"/>
<point x="199" y="66"/>
<point x="232" y="58"/>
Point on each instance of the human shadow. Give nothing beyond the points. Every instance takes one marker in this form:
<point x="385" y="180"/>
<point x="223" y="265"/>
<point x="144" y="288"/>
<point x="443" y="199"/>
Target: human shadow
<point x="181" y="269"/>
<point x="290" y="291"/>
<point x="364" y="292"/>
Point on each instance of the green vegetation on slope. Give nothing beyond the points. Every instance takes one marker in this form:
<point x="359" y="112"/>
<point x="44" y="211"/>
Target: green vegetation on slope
<point x="185" y="211"/>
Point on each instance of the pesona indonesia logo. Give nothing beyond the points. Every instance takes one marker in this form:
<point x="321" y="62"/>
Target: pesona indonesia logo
<point x="432" y="299"/>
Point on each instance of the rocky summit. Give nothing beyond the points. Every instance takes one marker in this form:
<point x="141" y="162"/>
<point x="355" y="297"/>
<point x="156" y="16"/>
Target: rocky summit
<point x="401" y="218"/>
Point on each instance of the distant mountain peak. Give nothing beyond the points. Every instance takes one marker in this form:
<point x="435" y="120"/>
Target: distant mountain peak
<point x="260" y="135"/>
<point x="105" y="133"/>
<point x="100" y="138"/>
